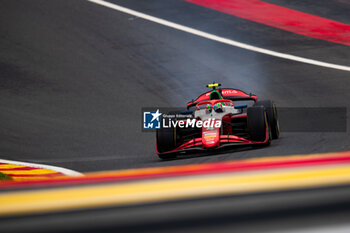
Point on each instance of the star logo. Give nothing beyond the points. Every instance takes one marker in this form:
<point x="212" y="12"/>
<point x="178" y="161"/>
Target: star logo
<point x="151" y="120"/>
<point x="156" y="115"/>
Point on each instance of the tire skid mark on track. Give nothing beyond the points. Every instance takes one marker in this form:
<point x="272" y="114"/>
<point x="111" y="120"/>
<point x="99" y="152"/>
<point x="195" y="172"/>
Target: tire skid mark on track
<point x="218" y="38"/>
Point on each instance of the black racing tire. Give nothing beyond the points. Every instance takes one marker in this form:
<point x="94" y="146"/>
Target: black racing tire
<point x="272" y="116"/>
<point x="257" y="122"/>
<point x="166" y="141"/>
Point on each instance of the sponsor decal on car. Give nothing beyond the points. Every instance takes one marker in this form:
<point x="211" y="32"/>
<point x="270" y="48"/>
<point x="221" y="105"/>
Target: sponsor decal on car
<point x="229" y="92"/>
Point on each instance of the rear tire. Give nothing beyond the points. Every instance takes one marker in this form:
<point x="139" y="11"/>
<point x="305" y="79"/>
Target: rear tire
<point x="272" y="116"/>
<point x="257" y="123"/>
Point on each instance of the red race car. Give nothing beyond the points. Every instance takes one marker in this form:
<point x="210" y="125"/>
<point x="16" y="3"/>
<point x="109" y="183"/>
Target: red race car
<point x="215" y="120"/>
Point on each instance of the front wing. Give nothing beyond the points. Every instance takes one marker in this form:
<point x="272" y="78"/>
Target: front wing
<point x="225" y="140"/>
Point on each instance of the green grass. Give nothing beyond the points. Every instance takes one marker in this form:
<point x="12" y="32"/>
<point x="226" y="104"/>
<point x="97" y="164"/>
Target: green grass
<point x="4" y="177"/>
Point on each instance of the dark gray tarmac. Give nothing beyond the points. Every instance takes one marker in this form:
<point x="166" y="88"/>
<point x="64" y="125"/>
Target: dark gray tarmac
<point x="75" y="75"/>
<point x="314" y="210"/>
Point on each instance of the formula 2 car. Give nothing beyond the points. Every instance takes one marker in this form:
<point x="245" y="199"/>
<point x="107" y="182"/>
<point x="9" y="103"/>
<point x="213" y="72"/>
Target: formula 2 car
<point x="216" y="120"/>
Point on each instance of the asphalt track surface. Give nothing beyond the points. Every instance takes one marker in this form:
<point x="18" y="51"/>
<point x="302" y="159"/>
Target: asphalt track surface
<point x="75" y="75"/>
<point x="291" y="211"/>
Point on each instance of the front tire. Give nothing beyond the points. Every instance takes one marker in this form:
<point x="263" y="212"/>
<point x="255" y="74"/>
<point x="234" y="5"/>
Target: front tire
<point x="257" y="123"/>
<point x="166" y="141"/>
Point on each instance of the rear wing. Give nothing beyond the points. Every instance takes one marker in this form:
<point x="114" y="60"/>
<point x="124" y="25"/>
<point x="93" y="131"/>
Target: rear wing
<point x="226" y="93"/>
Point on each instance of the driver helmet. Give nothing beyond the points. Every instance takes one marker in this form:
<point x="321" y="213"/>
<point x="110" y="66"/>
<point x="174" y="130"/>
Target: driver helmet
<point x="219" y="107"/>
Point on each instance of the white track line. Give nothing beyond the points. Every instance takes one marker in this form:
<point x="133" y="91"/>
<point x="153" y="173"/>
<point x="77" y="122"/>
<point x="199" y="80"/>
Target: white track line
<point x="62" y="170"/>
<point x="218" y="38"/>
